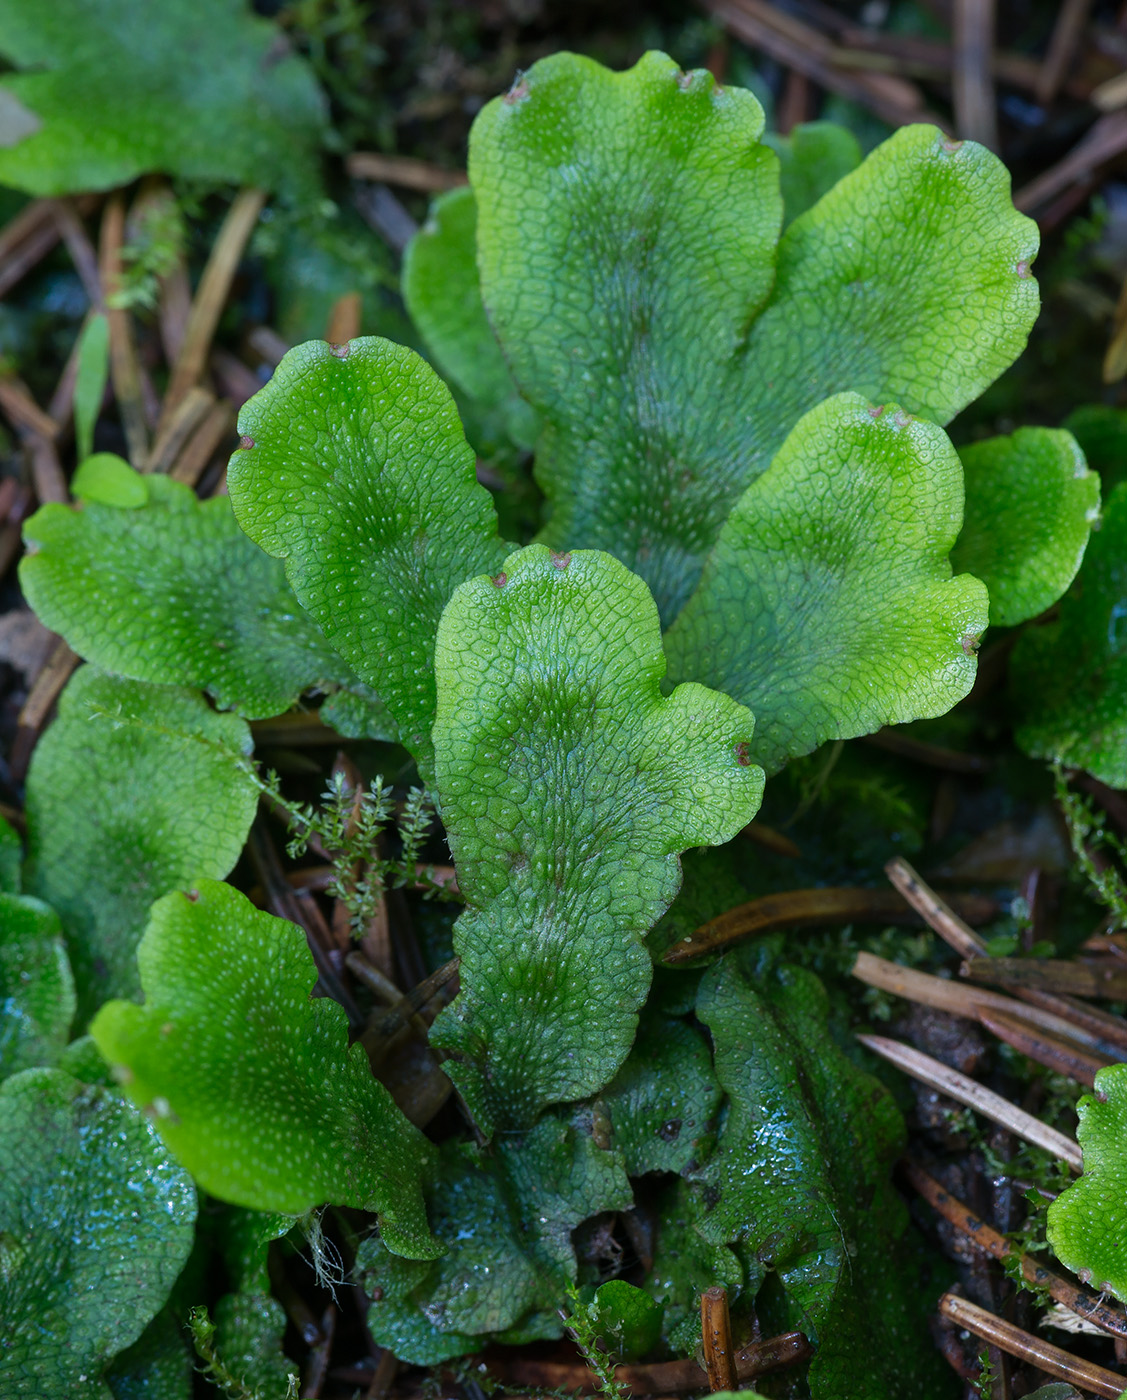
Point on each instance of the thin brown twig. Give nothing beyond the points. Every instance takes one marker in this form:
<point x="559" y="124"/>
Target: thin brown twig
<point x="1053" y="214"/>
<point x="382" y="212"/>
<point x="935" y="912"/>
<point x="968" y="1091"/>
<point x="9" y="495"/>
<point x="716" y="1335"/>
<point x="37" y="431"/>
<point x="311" y="877"/>
<point x="297" y="1309"/>
<point x="1041" y="1354"/>
<point x="1109" y="96"/>
<point x="211" y="297"/>
<point x="796" y="104"/>
<point x="1074" y="1296"/>
<point x="403" y="171"/>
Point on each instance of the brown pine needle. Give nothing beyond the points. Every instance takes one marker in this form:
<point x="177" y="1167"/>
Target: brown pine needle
<point x="267" y="344"/>
<point x="1046" y="1357"/>
<point x="716" y="1334"/>
<point x="661" y="1378"/>
<point x="400" y="1014"/>
<point x="1047" y="1050"/>
<point x="320" y="1356"/>
<point x="234" y="379"/>
<point x="344" y="319"/>
<point x="892" y="740"/>
<point x="174" y="310"/>
<point x="210" y="299"/>
<point x="46" y="473"/>
<point x="32" y="219"/>
<point x="972" y="79"/>
<point x="799" y="46"/>
<point x="178" y="428"/>
<point x="961" y="999"/>
<point x="1102" y="1026"/>
<point x="934" y="911"/>
<point x="294" y="729"/>
<point x="26" y="240"/>
<point x="1100" y="144"/>
<point x="968" y="1091"/>
<point x="777" y="842"/>
<point x="1057" y="975"/>
<point x="61" y="408"/>
<point x="375" y="980"/>
<point x="22" y="411"/>
<point x="1071" y="18"/>
<point x="1073" y="1296"/>
<point x="124" y="371"/>
<point x="81" y="250"/>
<point x="938" y="992"/>
<point x="803" y="908"/>
<point x="15" y="503"/>
<point x="201" y="447"/>
<point x="376" y="943"/>
<point x="386" y="1368"/>
<point x="37" y="707"/>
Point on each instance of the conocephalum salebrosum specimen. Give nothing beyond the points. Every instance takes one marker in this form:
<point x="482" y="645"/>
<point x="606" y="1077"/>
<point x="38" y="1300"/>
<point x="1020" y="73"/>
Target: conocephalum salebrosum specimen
<point x="756" y="537"/>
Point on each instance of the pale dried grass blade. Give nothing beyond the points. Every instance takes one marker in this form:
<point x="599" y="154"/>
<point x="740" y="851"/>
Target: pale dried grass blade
<point x="935" y="912"/>
<point x="1034" y="1350"/>
<point x="968" y="1091"/>
<point x="211" y="297"/>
